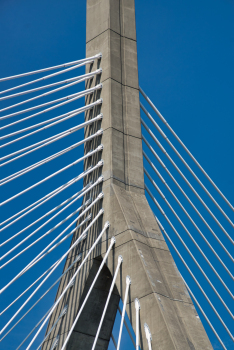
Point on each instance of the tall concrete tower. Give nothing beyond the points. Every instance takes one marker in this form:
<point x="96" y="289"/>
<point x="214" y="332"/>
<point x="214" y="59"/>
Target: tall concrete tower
<point x="155" y="280"/>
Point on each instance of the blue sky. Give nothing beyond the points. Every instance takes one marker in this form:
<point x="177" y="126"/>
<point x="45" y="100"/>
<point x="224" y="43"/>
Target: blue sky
<point x="185" y="58"/>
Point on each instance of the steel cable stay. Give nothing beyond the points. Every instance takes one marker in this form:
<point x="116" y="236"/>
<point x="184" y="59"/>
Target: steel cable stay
<point x="128" y="330"/>
<point x="200" y="308"/>
<point x="68" y="98"/>
<point x="186" y="165"/>
<point x="50" y="195"/>
<point x="58" y="119"/>
<point x="42" y="200"/>
<point x="73" y="98"/>
<point x="48" y="159"/>
<point x="198" y="284"/>
<point x="35" y="327"/>
<point x="55" y="227"/>
<point x="203" y="313"/>
<point x="76" y="260"/>
<point x="128" y="282"/>
<point x="184" y="147"/>
<point x="98" y="149"/>
<point x="47" y="76"/>
<point x="188" y="199"/>
<point x="198" y="247"/>
<point x="44" y="235"/>
<point x="63" y="313"/>
<point x="87" y="203"/>
<point x="39" y="255"/>
<point x="46" y="250"/>
<point x="52" y="68"/>
<point x="194" y="224"/>
<point x="186" y="180"/>
<point x="81" y="237"/>
<point x="192" y="256"/>
<point x="49" y="140"/>
<point x="106" y="225"/>
<point x="72" y="200"/>
<point x="185" y="211"/>
<point x="25" y="291"/>
<point x="137" y="307"/>
<point x="148" y="336"/>
<point x="75" y="80"/>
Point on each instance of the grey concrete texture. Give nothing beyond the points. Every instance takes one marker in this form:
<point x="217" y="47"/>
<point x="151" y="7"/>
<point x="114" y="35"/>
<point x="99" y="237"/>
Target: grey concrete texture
<point x="155" y="280"/>
<point x="115" y="15"/>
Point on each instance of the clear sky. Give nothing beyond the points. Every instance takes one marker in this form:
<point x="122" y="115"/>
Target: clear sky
<point x="185" y="58"/>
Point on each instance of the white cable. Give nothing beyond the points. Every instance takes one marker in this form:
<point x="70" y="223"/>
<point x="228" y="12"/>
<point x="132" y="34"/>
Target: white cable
<point x="128" y="282"/>
<point x="47" y="76"/>
<point x="75" y="197"/>
<point x="39" y="202"/>
<point x="162" y="212"/>
<point x="59" y="119"/>
<point x="120" y="260"/>
<point x="54" y="228"/>
<point x="69" y="99"/>
<point x="35" y="114"/>
<point x="52" y="68"/>
<point x="187" y="182"/>
<point x="192" y="256"/>
<point x="112" y="242"/>
<point x="188" y="199"/>
<point x="48" y="196"/>
<point x="49" y="140"/>
<point x="189" y="234"/>
<point x="77" y="79"/>
<point x="203" y="313"/>
<point x="48" y="159"/>
<point x="185" y="148"/>
<point x="25" y="291"/>
<point x="72" y="279"/>
<point x="137" y="307"/>
<point x="89" y="154"/>
<point x="63" y="312"/>
<point x="78" y="258"/>
<point x="48" y="232"/>
<point x="162" y="228"/>
<point x="35" y="327"/>
<point x="187" y="214"/>
<point x="41" y="256"/>
<point x="128" y="330"/>
<point x="60" y="260"/>
<point x="148" y="336"/>
<point x="88" y="218"/>
<point x="200" y="308"/>
<point x="186" y="165"/>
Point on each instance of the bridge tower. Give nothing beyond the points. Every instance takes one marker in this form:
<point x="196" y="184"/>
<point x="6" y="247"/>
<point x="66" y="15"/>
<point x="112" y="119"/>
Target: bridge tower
<point x="165" y="304"/>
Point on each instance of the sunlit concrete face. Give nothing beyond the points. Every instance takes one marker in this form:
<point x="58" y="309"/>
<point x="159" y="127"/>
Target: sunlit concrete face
<point x="165" y="303"/>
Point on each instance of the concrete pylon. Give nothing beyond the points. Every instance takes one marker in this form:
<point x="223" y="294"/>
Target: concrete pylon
<point x="165" y="303"/>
